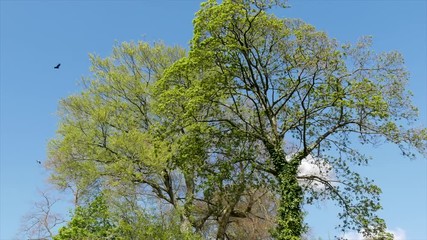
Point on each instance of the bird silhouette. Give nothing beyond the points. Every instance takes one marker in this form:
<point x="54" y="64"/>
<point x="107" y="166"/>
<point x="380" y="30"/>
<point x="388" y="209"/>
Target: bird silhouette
<point x="57" y="66"/>
<point x="39" y="162"/>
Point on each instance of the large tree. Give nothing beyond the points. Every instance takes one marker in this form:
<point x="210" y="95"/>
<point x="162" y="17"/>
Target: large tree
<point x="297" y="94"/>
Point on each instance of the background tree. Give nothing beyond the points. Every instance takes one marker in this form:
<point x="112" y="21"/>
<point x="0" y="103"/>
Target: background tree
<point x="43" y="221"/>
<point x="115" y="139"/>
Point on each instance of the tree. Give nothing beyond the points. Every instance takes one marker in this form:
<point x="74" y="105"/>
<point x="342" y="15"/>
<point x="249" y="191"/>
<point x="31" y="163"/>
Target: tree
<point x="91" y="222"/>
<point x="194" y="140"/>
<point x="113" y="137"/>
<point x="296" y="94"/>
<point x="42" y="222"/>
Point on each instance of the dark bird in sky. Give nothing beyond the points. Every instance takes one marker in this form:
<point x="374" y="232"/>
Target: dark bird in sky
<point x="39" y="162"/>
<point x="57" y="66"/>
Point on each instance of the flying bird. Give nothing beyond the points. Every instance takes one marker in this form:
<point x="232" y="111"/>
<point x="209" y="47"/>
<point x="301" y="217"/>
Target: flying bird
<point x="39" y="162"/>
<point x="57" y="66"/>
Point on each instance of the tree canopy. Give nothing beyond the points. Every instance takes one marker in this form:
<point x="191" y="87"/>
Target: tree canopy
<point x="220" y="138"/>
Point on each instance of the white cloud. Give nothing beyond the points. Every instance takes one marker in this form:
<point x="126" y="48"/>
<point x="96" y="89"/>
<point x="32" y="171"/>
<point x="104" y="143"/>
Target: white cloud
<point x="311" y="166"/>
<point x="399" y="234"/>
<point x="353" y="236"/>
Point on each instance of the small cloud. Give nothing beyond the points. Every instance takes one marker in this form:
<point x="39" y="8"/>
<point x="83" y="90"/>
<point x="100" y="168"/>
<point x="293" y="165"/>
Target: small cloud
<point x="399" y="234"/>
<point x="353" y="236"/>
<point x="315" y="167"/>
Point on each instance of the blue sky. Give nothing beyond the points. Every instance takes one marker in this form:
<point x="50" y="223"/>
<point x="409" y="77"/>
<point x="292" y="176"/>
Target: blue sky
<point x="36" y="35"/>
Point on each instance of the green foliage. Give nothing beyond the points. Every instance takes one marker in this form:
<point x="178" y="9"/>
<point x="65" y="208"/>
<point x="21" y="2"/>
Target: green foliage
<point x="91" y="222"/>
<point x="98" y="221"/>
<point x="107" y="129"/>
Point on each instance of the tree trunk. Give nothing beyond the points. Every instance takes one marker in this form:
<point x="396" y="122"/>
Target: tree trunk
<point x="230" y="204"/>
<point x="222" y="223"/>
<point x="187" y="223"/>
<point x="290" y="225"/>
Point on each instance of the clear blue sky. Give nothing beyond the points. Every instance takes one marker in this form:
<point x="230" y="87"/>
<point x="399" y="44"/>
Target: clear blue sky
<point x="36" y="35"/>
